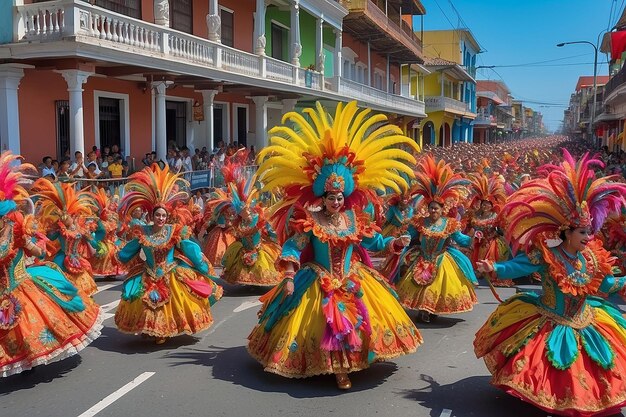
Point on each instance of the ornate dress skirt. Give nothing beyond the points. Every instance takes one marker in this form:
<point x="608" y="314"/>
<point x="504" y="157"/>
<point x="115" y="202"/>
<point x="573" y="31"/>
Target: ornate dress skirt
<point x="43" y="319"/>
<point x="215" y="244"/>
<point x="251" y="267"/>
<point x="330" y="325"/>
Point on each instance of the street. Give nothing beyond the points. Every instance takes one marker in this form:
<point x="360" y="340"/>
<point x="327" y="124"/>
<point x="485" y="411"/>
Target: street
<point x="211" y="374"/>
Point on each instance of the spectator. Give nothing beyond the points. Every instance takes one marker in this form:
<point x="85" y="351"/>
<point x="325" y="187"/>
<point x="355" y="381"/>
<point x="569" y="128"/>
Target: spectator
<point x="186" y="160"/>
<point x="171" y="158"/>
<point x="63" y="174"/>
<point x="91" y="160"/>
<point x="197" y="157"/>
<point x="116" y="169"/>
<point x="198" y="200"/>
<point x="47" y="170"/>
<point x="78" y="168"/>
<point x="178" y="162"/>
<point x="96" y="151"/>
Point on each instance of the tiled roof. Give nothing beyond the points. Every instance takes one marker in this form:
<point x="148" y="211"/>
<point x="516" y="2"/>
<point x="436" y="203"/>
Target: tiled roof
<point x="437" y="61"/>
<point x="587" y="81"/>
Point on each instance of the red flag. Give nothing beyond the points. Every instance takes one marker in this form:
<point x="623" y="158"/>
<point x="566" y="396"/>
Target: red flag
<point x="618" y="44"/>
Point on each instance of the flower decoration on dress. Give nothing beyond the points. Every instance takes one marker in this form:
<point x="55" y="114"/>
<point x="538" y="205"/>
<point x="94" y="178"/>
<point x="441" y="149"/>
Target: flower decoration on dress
<point x="350" y="152"/>
<point x="569" y="196"/>
<point x="154" y="187"/>
<point x="488" y="189"/>
<point x="14" y="181"/>
<point x="436" y="181"/>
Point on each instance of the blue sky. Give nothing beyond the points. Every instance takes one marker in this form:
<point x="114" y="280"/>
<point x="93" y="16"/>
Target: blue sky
<point x="520" y="32"/>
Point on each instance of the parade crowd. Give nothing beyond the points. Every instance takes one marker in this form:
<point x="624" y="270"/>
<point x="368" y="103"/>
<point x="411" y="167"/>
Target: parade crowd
<point x="333" y="192"/>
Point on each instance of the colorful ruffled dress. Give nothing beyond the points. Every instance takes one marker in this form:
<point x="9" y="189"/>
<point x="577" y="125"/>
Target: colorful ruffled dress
<point x="43" y="318"/>
<point x="564" y="350"/>
<point x="70" y="258"/>
<point x="250" y="259"/>
<point x="434" y="276"/>
<point x="107" y="263"/>
<point x="491" y="246"/>
<point x="219" y="237"/>
<point x="170" y="293"/>
<point x="342" y="315"/>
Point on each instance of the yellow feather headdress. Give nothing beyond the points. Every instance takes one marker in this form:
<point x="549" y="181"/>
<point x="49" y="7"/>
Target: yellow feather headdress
<point x="348" y="152"/>
<point x="59" y="199"/>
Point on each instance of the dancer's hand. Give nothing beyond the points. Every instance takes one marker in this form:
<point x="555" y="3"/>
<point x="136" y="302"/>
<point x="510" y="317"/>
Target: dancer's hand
<point x="288" y="287"/>
<point x="484" y="266"/>
<point x="403" y="241"/>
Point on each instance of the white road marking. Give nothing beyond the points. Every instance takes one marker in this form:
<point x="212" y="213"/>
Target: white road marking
<point x="107" y="316"/>
<point x="107" y="401"/>
<point x="106" y="287"/>
<point x="446" y="413"/>
<point x="110" y="306"/>
<point x="246" y="305"/>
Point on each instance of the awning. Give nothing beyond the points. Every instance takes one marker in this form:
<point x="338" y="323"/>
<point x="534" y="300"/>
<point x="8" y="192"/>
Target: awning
<point x="607" y="117"/>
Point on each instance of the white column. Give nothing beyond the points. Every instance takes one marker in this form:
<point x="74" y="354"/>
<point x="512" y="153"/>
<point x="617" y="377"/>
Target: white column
<point x="160" y="122"/>
<point x="289" y="104"/>
<point x="259" y="28"/>
<point x="208" y="97"/>
<point x="260" y="104"/>
<point x="338" y="46"/>
<point x="294" y="34"/>
<point x="214" y="21"/>
<point x="75" y="80"/>
<point x="162" y="13"/>
<point x="10" y="76"/>
<point x="319" y="45"/>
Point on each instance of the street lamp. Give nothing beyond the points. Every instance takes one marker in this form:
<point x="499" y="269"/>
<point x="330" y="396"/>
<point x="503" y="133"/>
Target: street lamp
<point x="595" y="72"/>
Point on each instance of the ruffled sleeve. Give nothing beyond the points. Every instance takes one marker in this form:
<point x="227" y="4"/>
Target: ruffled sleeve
<point x="302" y="224"/>
<point x="518" y="267"/>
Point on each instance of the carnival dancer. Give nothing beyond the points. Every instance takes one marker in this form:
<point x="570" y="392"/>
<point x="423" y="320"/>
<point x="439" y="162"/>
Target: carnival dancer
<point x="106" y="233"/>
<point x="217" y="223"/>
<point x="251" y="258"/>
<point x="42" y="316"/>
<point x="484" y="225"/>
<point x="564" y="350"/>
<point x="614" y="239"/>
<point x="170" y="293"/>
<point x="332" y="314"/>
<point x="435" y="277"/>
<point x="399" y="214"/>
<point x="66" y="214"/>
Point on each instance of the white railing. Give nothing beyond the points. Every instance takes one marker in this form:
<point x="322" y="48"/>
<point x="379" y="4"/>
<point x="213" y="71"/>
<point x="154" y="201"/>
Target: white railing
<point x="435" y="103"/>
<point x="56" y="20"/>
<point x="355" y="90"/>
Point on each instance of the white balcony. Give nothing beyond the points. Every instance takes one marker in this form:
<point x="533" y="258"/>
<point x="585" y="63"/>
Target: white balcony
<point x="448" y="104"/>
<point x="380" y="99"/>
<point x="73" y="27"/>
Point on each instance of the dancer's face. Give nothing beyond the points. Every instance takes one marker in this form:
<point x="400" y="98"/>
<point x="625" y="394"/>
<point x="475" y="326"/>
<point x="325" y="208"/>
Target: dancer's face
<point x="435" y="211"/>
<point x="578" y="238"/>
<point x="486" y="206"/>
<point x="333" y="202"/>
<point x="160" y="217"/>
<point x="136" y="214"/>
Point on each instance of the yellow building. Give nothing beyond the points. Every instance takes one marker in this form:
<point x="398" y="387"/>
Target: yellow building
<point x="448" y="116"/>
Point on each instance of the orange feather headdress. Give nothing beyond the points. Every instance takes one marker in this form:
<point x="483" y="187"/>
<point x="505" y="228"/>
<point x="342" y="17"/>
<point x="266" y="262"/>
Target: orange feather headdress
<point x="569" y="197"/>
<point x="436" y="181"/>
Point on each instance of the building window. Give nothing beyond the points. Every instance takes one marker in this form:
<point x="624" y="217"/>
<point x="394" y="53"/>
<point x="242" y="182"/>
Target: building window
<point x="63" y="128"/>
<point x="228" y="27"/>
<point x="176" y="123"/>
<point x="181" y="15"/>
<point x="131" y="8"/>
<point x="279" y="42"/>
<point x="110" y="122"/>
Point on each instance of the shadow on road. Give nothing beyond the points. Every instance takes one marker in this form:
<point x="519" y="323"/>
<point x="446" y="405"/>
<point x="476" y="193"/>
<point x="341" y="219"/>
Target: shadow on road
<point x="469" y="397"/>
<point x="243" y="290"/>
<point x="237" y="366"/>
<point x="112" y="340"/>
<point x="42" y="374"/>
<point x="440" y="322"/>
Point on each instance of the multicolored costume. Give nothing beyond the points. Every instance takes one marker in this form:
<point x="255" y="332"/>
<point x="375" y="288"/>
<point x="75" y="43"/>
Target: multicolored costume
<point x="434" y="276"/>
<point x="218" y="220"/>
<point x="42" y="316"/>
<point x="564" y="350"/>
<point x="65" y="213"/>
<point x="250" y="260"/>
<point x="489" y="241"/>
<point x="170" y="293"/>
<point x="342" y="315"/>
<point x="106" y="234"/>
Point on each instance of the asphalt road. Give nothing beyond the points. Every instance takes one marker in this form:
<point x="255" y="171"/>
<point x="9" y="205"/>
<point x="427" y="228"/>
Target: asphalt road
<point x="211" y="374"/>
